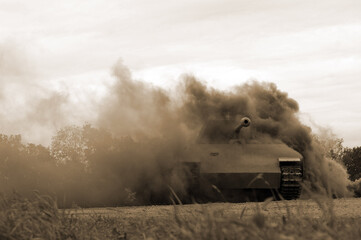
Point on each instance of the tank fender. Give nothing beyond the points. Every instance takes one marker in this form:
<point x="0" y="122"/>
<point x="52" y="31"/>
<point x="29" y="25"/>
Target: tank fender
<point x="289" y="161"/>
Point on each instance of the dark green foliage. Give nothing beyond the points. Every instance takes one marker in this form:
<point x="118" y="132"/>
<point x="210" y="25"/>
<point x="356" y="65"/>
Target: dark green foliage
<point x="25" y="167"/>
<point x="73" y="168"/>
<point x="348" y="157"/>
<point x="85" y="166"/>
<point x="352" y="160"/>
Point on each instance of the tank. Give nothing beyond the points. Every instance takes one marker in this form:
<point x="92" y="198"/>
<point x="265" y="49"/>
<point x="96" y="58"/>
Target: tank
<point x="226" y="165"/>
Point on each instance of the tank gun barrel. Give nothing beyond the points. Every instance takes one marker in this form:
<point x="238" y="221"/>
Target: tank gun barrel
<point x="245" y="122"/>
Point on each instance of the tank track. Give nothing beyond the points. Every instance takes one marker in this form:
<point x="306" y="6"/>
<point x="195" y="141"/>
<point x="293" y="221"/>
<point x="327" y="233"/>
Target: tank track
<point x="291" y="178"/>
<point x="192" y="177"/>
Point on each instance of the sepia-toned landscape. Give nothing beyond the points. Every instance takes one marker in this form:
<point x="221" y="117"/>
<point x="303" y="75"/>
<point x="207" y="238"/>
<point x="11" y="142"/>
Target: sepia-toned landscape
<point x="194" y="120"/>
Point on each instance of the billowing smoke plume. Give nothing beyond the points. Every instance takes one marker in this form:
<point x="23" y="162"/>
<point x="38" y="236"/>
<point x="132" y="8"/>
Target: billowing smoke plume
<point x="274" y="116"/>
<point x="164" y="126"/>
<point x="154" y="136"/>
<point x="141" y="132"/>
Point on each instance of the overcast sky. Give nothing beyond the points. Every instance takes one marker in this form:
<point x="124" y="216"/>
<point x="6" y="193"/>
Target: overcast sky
<point x="56" y="53"/>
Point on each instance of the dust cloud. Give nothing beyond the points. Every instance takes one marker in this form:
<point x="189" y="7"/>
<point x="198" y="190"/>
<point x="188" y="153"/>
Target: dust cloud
<point x="127" y="155"/>
<point x="150" y="115"/>
<point x="29" y="104"/>
<point x="273" y="115"/>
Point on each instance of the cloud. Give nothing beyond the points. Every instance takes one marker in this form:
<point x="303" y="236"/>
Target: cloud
<point x="28" y="105"/>
<point x="303" y="46"/>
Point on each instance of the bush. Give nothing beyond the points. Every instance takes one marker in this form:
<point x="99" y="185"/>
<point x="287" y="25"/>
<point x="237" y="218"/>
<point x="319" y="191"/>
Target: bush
<point x="356" y="187"/>
<point x="352" y="160"/>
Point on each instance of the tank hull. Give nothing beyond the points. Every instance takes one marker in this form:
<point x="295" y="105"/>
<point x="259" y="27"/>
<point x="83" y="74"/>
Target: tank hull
<point x="241" y="166"/>
<point x="226" y="160"/>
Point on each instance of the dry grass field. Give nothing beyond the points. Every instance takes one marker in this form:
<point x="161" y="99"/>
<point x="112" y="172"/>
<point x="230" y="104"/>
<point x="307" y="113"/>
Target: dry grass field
<point x="319" y="218"/>
<point x="297" y="219"/>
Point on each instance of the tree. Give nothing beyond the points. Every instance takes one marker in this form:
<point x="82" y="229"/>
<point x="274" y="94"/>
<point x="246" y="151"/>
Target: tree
<point x="68" y="145"/>
<point x="352" y="160"/>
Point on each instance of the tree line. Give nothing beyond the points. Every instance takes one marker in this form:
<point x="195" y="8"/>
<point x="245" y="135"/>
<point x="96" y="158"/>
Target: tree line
<point x="88" y="166"/>
<point x="84" y="165"/>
